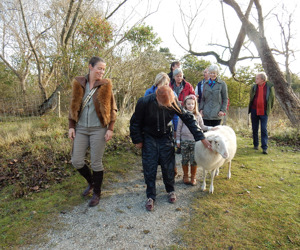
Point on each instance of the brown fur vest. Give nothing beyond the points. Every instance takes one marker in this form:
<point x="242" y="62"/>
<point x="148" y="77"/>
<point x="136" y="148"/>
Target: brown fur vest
<point x="103" y="99"/>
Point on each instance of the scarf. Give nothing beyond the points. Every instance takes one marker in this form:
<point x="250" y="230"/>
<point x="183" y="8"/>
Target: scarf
<point x="211" y="83"/>
<point x="260" y="106"/>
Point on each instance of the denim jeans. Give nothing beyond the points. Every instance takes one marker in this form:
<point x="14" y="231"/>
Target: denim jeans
<point x="263" y="129"/>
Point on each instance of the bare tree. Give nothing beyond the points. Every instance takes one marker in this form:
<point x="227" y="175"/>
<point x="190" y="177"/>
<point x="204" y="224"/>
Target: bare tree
<point x="284" y="93"/>
<point x="44" y="35"/>
<point x="25" y="43"/>
<point x="15" y="52"/>
<point x="234" y="52"/>
<point x="74" y="14"/>
<point x="287" y="36"/>
<point x="43" y="91"/>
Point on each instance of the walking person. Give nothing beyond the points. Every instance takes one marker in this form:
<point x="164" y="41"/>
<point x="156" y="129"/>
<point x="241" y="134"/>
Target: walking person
<point x="173" y="66"/>
<point x="262" y="97"/>
<point x="162" y="79"/>
<point x="214" y="100"/>
<point x="182" y="88"/>
<point x="185" y="140"/>
<point x="92" y="115"/>
<point x="199" y="87"/>
<point x="150" y="130"/>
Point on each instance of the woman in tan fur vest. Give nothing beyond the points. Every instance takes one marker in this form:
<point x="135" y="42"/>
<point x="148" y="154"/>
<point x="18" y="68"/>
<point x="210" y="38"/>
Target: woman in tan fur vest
<point x="92" y="115"/>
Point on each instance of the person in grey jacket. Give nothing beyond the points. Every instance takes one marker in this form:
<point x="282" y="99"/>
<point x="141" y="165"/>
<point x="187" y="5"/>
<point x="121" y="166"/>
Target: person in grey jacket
<point x="214" y="98"/>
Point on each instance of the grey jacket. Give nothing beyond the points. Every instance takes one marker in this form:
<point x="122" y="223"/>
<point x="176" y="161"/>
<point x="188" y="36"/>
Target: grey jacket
<point x="214" y="100"/>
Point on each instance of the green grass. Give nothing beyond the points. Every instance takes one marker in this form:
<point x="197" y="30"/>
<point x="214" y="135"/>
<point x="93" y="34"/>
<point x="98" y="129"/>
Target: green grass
<point x="41" y="146"/>
<point x="25" y="220"/>
<point x="258" y="208"/>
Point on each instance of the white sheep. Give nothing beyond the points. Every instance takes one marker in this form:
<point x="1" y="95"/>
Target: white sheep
<point x="223" y="141"/>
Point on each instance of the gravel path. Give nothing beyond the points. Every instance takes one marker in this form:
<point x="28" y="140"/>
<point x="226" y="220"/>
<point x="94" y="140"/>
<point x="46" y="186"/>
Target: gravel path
<point x="121" y="221"/>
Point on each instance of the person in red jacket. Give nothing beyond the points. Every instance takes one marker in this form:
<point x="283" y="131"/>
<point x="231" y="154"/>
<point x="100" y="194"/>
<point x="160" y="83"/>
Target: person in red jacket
<point x="181" y="87"/>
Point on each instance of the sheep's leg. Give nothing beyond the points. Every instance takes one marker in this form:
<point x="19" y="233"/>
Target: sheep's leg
<point x="203" y="187"/>
<point x="217" y="171"/>
<point x="211" y="189"/>
<point x="229" y="170"/>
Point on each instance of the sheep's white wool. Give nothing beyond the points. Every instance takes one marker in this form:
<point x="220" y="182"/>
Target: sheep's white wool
<point x="223" y="141"/>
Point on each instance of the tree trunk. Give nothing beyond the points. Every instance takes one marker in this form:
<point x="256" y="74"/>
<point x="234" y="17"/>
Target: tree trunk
<point x="284" y="93"/>
<point x="48" y="103"/>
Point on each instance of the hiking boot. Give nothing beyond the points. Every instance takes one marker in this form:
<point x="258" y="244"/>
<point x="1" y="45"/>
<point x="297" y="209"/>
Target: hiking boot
<point x="88" y="190"/>
<point x="185" y="169"/>
<point x="86" y="173"/>
<point x="95" y="200"/>
<point x="193" y="175"/>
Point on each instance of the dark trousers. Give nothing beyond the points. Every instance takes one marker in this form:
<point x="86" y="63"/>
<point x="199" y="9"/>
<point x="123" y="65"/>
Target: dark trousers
<point x="158" y="151"/>
<point x="263" y="119"/>
<point x="212" y="123"/>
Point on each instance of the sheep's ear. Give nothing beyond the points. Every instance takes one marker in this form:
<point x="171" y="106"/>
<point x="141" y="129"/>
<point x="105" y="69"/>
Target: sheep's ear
<point x="211" y="138"/>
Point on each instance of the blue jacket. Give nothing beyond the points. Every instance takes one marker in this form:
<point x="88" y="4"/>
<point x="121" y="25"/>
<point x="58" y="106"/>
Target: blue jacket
<point x="199" y="88"/>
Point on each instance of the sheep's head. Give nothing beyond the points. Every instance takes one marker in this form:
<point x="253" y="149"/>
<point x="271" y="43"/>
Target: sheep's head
<point x="219" y="145"/>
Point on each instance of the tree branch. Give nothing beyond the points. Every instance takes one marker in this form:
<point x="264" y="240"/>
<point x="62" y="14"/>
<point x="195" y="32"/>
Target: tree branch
<point x="69" y="34"/>
<point x="113" y="12"/>
<point x="260" y="18"/>
<point x="66" y="22"/>
<point x="10" y="66"/>
<point x="34" y="52"/>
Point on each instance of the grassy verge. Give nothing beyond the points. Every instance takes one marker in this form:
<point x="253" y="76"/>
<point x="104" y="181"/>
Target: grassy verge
<point x="257" y="208"/>
<point x="37" y="180"/>
<point x="25" y="220"/>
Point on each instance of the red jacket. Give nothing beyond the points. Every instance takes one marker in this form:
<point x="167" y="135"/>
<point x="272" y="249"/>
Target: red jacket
<point x="187" y="89"/>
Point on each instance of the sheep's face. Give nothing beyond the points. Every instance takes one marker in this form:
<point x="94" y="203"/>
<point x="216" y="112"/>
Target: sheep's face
<point x="219" y="144"/>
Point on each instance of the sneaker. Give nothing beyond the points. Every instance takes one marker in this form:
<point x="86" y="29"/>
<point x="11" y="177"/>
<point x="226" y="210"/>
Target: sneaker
<point x="172" y="197"/>
<point x="150" y="204"/>
<point x="255" y="147"/>
<point x="265" y="152"/>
